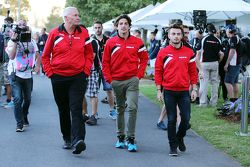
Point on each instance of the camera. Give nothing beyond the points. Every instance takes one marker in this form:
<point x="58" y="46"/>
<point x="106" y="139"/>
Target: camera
<point x="23" y="33"/>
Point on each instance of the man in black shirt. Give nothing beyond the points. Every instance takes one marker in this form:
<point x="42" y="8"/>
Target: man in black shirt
<point x="232" y="66"/>
<point x="208" y="56"/>
<point x="102" y="39"/>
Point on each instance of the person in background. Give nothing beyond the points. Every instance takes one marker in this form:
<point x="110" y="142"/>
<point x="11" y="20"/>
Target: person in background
<point x="42" y="41"/>
<point x="232" y="66"/>
<point x="154" y="45"/>
<point x="207" y="59"/>
<point x="102" y="39"/>
<point x="137" y="33"/>
<point x="22" y="60"/>
<point x="7" y="32"/>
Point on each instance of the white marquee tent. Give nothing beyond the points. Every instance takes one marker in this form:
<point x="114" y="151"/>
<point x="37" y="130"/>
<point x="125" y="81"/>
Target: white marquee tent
<point x="134" y="16"/>
<point x="183" y="9"/>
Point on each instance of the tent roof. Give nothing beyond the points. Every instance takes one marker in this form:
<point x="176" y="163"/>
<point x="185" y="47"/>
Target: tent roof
<point x="216" y="9"/>
<point x="134" y="15"/>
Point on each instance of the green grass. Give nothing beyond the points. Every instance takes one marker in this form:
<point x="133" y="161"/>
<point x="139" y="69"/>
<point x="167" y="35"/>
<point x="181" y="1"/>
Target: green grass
<point x="218" y="132"/>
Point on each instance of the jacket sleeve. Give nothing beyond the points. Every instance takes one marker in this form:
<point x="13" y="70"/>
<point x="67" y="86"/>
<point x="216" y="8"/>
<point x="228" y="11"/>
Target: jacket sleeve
<point x="89" y="56"/>
<point x="106" y="58"/>
<point x="159" y="68"/>
<point x="143" y="61"/>
<point x="192" y="70"/>
<point x="47" y="55"/>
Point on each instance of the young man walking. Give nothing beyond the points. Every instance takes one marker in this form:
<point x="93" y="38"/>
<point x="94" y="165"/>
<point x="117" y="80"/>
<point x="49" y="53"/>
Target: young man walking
<point x="124" y="62"/>
<point x="175" y="70"/>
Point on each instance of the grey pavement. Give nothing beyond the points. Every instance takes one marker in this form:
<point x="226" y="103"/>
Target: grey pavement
<point x="40" y="145"/>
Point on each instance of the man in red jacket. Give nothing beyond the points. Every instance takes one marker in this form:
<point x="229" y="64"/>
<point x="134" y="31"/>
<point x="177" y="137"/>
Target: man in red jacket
<point x="124" y="62"/>
<point x="175" y="70"/>
<point x="67" y="60"/>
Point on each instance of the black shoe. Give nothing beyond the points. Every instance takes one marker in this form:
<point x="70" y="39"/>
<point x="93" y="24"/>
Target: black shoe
<point x="188" y="126"/>
<point x="85" y="118"/>
<point x="173" y="152"/>
<point x="26" y="121"/>
<point x="181" y="145"/>
<point x="67" y="144"/>
<point x="19" y="129"/>
<point x="79" y="147"/>
<point x="92" y="120"/>
<point x="105" y="100"/>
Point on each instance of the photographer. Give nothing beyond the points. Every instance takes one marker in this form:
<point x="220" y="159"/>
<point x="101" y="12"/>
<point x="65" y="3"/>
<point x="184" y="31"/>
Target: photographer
<point x="22" y="52"/>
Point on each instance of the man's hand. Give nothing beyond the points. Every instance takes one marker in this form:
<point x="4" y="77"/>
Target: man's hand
<point x="201" y="75"/>
<point x="226" y="67"/>
<point x="37" y="70"/>
<point x="159" y="96"/>
<point x="14" y="37"/>
<point x="193" y="95"/>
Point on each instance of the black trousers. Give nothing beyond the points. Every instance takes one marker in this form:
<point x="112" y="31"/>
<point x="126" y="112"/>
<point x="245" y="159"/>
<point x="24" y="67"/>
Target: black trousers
<point x="172" y="99"/>
<point x="68" y="94"/>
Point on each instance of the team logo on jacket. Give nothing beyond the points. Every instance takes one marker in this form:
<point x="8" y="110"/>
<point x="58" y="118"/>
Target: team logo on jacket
<point x="130" y="47"/>
<point x="77" y="38"/>
<point x="182" y="57"/>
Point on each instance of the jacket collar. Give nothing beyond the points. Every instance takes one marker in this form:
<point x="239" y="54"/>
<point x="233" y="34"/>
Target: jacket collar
<point x="62" y="28"/>
<point x="122" y="37"/>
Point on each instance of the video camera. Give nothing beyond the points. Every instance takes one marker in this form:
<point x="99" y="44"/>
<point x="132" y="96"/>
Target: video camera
<point x="24" y="34"/>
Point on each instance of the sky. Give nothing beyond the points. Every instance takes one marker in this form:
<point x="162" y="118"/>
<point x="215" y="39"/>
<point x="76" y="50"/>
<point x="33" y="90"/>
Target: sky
<point x="40" y="10"/>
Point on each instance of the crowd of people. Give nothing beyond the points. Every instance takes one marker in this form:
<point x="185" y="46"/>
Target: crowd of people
<point x="78" y="63"/>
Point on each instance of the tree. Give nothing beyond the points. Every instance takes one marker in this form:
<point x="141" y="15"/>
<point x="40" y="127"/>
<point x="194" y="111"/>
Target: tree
<point x="104" y="10"/>
<point x="54" y="18"/>
<point x="13" y="7"/>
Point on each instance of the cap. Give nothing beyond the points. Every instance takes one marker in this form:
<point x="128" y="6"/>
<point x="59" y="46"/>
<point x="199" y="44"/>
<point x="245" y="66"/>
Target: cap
<point x="231" y="28"/>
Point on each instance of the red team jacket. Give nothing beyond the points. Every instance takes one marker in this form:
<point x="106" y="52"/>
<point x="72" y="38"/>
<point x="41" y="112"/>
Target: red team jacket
<point x="124" y="59"/>
<point x="175" y="69"/>
<point x="67" y="55"/>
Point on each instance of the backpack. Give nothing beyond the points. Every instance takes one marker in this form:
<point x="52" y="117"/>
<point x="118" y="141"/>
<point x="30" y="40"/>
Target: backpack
<point x="245" y="51"/>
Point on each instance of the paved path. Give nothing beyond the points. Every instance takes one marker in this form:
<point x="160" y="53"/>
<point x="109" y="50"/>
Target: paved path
<point x="41" y="143"/>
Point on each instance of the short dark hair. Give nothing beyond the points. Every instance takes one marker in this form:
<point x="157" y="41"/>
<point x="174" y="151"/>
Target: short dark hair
<point x="176" y="26"/>
<point x="211" y="28"/>
<point x="98" y="22"/>
<point x="123" y="16"/>
<point x="185" y="26"/>
<point x="44" y="29"/>
<point x="9" y="20"/>
<point x="138" y="31"/>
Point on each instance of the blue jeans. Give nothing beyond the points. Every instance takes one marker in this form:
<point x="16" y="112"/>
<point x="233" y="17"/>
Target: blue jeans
<point x="21" y="93"/>
<point x="172" y="99"/>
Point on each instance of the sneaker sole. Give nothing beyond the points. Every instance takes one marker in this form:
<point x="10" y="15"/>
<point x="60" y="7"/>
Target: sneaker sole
<point x="133" y="150"/>
<point x="120" y="147"/>
<point x="174" y="155"/>
<point x="19" y="130"/>
<point x="114" y="118"/>
<point x="80" y="146"/>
